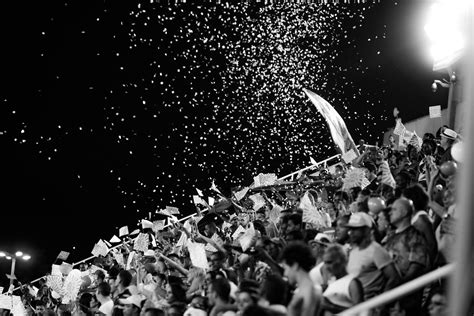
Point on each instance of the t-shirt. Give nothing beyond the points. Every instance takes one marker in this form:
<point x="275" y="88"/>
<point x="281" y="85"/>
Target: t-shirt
<point x="367" y="264"/>
<point x="107" y="308"/>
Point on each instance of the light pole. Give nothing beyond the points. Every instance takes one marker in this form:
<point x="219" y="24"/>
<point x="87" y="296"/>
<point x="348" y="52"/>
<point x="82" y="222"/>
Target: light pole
<point x="8" y="256"/>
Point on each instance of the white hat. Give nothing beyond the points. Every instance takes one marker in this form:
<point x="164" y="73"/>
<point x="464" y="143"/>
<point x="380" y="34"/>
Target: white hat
<point x="149" y="253"/>
<point x="359" y="219"/>
<point x="449" y="133"/>
<point x="322" y="238"/>
<point x="132" y="300"/>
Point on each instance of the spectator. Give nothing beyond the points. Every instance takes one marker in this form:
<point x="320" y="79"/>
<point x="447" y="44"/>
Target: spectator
<point x="297" y="261"/>
<point x="369" y="261"/>
<point x="132" y="305"/>
<point x="346" y="291"/>
<point x="103" y="296"/>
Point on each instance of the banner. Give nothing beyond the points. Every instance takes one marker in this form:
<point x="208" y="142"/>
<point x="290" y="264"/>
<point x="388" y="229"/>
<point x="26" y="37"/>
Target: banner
<point x="337" y="126"/>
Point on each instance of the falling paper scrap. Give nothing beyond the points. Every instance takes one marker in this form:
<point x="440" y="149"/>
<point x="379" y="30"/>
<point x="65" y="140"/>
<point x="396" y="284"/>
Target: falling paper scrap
<point x="172" y="210"/>
<point x="258" y="201"/>
<point x="240" y="194"/>
<point x="435" y="111"/>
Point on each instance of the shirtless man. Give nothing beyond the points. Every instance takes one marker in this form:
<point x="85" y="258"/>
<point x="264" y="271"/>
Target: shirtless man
<point x="297" y="261"/>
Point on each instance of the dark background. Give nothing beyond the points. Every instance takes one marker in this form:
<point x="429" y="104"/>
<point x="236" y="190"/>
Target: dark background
<point x="72" y="171"/>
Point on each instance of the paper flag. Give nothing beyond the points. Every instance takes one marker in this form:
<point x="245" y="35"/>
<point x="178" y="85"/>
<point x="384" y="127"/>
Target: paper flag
<point x="100" y="249"/>
<point x="6" y="302"/>
<point x="197" y="253"/>
<point x="399" y="128"/>
<point x="188" y="226"/>
<point x="71" y="287"/>
<point x="119" y="258"/>
<point x="387" y="177"/>
<point x="311" y="214"/>
<point x="211" y="200"/>
<point x="404" y="139"/>
<point x="238" y="231"/>
<point x="165" y="212"/>
<point x="210" y="248"/>
<point x="172" y="210"/>
<point x="416" y="141"/>
<point x="108" y="244"/>
<point x="146" y="224"/>
<point x="197" y="200"/>
<point x="264" y="179"/>
<point x="65" y="268"/>
<point x="258" y="201"/>
<point x="241" y="194"/>
<point x="55" y="270"/>
<point x="435" y="111"/>
<point x="182" y="240"/>
<point x="199" y="192"/>
<point x="153" y="241"/>
<point x="135" y="232"/>
<point x="123" y="231"/>
<point x="247" y="238"/>
<point x="141" y="242"/>
<point x="274" y="215"/>
<point x="115" y="240"/>
<point x="33" y="290"/>
<point x="355" y="177"/>
<point x="18" y="308"/>
<point x="130" y="259"/>
<point x="349" y="156"/>
<point x="312" y="161"/>
<point x="63" y="255"/>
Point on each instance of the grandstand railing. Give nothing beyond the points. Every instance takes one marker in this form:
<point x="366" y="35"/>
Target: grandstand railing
<point x="363" y="309"/>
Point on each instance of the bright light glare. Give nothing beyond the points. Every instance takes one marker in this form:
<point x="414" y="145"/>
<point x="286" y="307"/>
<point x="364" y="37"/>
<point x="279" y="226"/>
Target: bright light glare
<point x="2" y="254"/>
<point x="26" y="257"/>
<point x="444" y="30"/>
<point x="8" y="257"/>
<point x="19" y="254"/>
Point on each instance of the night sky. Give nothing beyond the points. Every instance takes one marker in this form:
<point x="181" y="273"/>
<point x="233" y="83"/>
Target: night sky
<point x="111" y="110"/>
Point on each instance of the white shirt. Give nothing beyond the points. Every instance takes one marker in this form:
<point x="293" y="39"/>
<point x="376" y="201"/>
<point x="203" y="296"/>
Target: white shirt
<point x="107" y="308"/>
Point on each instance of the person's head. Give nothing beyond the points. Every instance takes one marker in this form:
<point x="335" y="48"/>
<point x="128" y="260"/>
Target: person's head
<point x="219" y="291"/>
<point x="176" y="309"/>
<point x="341" y="231"/>
<point x="256" y="310"/>
<point x="319" y="244"/>
<point x="438" y="305"/>
<point x="428" y="147"/>
<point x="260" y="214"/>
<point x="417" y="194"/>
<point x="100" y="276"/>
<point x="247" y="294"/>
<point x="85" y="303"/>
<point x="40" y="306"/>
<point x="335" y="260"/>
<point x="402" y="180"/>
<point x="297" y="257"/>
<point x="124" y="279"/>
<point x="210" y="229"/>
<point x="284" y="223"/>
<point x="294" y="235"/>
<point x="294" y="222"/>
<point x="154" y="312"/>
<point x="216" y="261"/>
<point x="132" y="305"/>
<point x="448" y="136"/>
<point x="176" y="258"/>
<point x="354" y="192"/>
<point x="359" y="226"/>
<point x="401" y="211"/>
<point x="370" y="170"/>
<point x="103" y="291"/>
<point x="275" y="290"/>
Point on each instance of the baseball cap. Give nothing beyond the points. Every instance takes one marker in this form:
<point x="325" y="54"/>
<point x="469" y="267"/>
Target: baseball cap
<point x="359" y="219"/>
<point x="449" y="133"/>
<point x="132" y="300"/>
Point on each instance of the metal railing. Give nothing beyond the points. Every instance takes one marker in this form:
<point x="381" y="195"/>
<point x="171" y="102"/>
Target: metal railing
<point x="363" y="308"/>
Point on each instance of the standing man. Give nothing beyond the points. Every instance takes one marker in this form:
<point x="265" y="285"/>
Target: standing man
<point x="368" y="260"/>
<point x="103" y="296"/>
<point x="409" y="251"/>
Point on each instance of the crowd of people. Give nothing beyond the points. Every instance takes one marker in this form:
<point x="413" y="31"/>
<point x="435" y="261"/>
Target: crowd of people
<point x="316" y="246"/>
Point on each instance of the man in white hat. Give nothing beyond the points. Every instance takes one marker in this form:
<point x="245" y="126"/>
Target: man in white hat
<point x="368" y="260"/>
<point x="448" y="136"/>
<point x="132" y="305"/>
